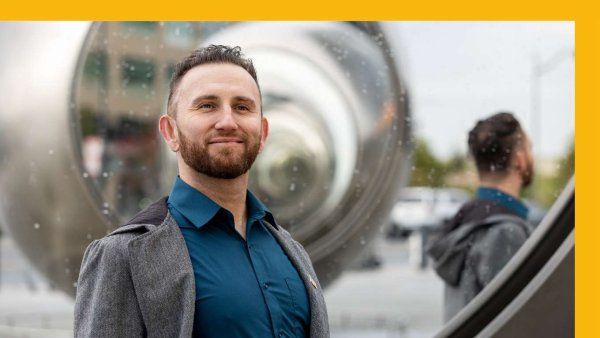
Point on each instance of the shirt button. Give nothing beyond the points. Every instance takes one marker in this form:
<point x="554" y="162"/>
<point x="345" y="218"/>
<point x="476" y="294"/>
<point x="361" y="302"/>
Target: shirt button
<point x="266" y="286"/>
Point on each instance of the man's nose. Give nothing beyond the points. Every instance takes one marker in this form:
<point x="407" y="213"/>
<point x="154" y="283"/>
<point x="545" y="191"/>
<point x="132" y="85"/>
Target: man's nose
<point x="226" y="120"/>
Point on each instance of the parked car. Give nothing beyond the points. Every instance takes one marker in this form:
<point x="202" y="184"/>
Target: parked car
<point x="424" y="207"/>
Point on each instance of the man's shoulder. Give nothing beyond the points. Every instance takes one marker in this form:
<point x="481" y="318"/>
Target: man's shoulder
<point x="118" y="240"/>
<point x="502" y="231"/>
<point x="508" y="225"/>
<point x="144" y="221"/>
<point x="154" y="214"/>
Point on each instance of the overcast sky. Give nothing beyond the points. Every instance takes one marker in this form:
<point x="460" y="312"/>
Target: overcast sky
<point x="458" y="72"/>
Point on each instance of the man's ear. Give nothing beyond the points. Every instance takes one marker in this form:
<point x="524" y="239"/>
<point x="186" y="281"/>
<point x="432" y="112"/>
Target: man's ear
<point x="264" y="133"/>
<point x="168" y="130"/>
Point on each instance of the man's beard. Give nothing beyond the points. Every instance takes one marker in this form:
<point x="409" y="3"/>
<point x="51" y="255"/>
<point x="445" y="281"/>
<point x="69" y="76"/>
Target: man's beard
<point x="226" y="164"/>
<point x="527" y="175"/>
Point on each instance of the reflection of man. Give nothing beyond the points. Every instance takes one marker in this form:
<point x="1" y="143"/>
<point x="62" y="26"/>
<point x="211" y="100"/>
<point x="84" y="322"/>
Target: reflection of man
<point x="209" y="260"/>
<point x="486" y="232"/>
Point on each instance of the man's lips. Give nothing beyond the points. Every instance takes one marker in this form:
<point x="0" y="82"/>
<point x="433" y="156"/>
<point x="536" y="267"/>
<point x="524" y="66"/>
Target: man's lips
<point x="225" y="140"/>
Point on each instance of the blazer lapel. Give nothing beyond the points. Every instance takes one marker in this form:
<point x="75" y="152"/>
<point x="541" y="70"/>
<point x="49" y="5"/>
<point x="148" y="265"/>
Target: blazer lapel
<point x="163" y="279"/>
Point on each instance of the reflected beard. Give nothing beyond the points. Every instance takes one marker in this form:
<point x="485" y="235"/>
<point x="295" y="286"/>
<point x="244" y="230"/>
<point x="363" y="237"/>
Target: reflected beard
<point x="527" y="175"/>
<point x="225" y="165"/>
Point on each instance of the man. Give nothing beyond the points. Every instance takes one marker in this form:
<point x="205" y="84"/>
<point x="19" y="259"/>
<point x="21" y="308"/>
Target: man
<point x="487" y="231"/>
<point x="209" y="260"/>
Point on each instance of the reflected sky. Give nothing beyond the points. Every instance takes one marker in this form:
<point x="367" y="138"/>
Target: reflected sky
<point x="462" y="71"/>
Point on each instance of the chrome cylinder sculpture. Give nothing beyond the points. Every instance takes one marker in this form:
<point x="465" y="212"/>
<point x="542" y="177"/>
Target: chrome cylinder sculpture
<point x="80" y="153"/>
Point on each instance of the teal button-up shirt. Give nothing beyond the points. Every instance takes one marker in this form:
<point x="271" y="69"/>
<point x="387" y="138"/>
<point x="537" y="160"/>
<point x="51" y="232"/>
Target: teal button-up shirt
<point x="244" y="288"/>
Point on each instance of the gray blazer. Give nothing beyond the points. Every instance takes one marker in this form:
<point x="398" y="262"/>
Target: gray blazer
<point x="138" y="281"/>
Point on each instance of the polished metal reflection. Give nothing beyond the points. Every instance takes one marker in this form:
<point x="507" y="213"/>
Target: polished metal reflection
<point x="44" y="203"/>
<point x="80" y="153"/>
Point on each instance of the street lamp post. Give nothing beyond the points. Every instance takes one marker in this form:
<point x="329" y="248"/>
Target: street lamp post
<point x="539" y="69"/>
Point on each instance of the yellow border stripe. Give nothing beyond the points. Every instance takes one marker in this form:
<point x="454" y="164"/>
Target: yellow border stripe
<point x="286" y="10"/>
<point x="587" y="236"/>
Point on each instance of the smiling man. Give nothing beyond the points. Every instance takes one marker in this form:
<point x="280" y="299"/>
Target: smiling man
<point x="209" y="260"/>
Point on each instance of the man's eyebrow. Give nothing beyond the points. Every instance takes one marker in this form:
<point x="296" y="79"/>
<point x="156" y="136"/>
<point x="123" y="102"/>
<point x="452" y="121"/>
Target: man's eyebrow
<point x="199" y="99"/>
<point x="245" y="99"/>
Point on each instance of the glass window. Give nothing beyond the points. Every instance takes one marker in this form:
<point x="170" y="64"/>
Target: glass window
<point x="180" y="34"/>
<point x="137" y="74"/>
<point x="95" y="68"/>
<point x="140" y="27"/>
<point x="210" y="28"/>
<point x="169" y="70"/>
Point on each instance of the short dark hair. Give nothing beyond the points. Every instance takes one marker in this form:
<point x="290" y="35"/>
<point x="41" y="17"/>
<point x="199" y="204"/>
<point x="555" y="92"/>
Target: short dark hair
<point x="493" y="141"/>
<point x="207" y="55"/>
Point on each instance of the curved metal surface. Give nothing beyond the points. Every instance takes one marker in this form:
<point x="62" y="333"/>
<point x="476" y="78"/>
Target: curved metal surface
<point x="44" y="204"/>
<point x="79" y="150"/>
<point x="521" y="271"/>
<point x="546" y="307"/>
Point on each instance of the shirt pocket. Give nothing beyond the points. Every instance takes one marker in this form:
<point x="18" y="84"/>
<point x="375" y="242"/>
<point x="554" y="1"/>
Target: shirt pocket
<point x="299" y="296"/>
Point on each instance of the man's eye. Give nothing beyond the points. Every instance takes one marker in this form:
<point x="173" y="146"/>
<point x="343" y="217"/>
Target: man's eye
<point x="242" y="107"/>
<point x="206" y="106"/>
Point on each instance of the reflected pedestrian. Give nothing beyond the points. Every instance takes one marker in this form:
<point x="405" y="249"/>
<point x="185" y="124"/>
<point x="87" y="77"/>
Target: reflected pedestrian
<point x="486" y="232"/>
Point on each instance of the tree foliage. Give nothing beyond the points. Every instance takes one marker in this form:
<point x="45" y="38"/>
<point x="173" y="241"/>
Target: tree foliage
<point x="430" y="171"/>
<point x="567" y="168"/>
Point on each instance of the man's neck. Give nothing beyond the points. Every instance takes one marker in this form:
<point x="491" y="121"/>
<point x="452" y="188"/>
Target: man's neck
<point x="230" y="194"/>
<point x="508" y="185"/>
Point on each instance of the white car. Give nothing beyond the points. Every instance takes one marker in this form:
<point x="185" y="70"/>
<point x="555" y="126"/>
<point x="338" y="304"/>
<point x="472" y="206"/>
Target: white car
<point x="419" y="207"/>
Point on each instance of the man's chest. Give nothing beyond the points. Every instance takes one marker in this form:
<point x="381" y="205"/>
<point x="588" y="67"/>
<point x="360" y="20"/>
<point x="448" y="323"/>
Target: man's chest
<point x="251" y="279"/>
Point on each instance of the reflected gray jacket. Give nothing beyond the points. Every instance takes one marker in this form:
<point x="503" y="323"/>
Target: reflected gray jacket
<point x="138" y="281"/>
<point x="470" y="256"/>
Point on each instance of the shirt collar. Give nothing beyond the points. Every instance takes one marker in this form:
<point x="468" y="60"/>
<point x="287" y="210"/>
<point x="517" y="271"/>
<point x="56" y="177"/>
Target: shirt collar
<point x="256" y="208"/>
<point x="199" y="209"/>
<point x="512" y="203"/>
<point x="258" y="211"/>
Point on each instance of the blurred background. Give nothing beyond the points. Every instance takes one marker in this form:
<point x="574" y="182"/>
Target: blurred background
<point x="454" y="73"/>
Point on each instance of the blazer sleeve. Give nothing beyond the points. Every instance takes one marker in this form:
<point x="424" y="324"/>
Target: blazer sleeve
<point x="495" y="249"/>
<point x="105" y="303"/>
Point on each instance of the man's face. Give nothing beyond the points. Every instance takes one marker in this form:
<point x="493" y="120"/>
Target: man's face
<point x="219" y="123"/>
